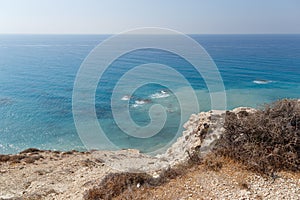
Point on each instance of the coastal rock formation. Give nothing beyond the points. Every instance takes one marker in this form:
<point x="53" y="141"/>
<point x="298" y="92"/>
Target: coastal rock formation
<point x="36" y="174"/>
<point x="202" y="131"/>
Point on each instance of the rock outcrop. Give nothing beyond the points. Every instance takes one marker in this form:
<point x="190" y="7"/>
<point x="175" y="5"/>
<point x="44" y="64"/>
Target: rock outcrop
<point x="202" y="131"/>
<point x="37" y="174"/>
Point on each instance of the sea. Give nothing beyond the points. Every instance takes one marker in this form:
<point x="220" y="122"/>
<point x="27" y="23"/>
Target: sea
<point x="37" y="75"/>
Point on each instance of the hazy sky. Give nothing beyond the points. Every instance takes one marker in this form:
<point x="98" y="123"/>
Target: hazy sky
<point x="113" y="16"/>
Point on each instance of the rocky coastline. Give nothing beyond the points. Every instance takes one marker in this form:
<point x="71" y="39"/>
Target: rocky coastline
<point x="41" y="174"/>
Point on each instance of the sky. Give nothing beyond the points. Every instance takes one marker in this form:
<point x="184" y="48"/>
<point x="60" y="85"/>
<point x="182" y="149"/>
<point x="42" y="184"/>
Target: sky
<point x="114" y="16"/>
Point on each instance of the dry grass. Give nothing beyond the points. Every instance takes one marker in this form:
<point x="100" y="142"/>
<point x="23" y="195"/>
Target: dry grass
<point x="114" y="184"/>
<point x="117" y="183"/>
<point x="213" y="162"/>
<point x="200" y="180"/>
<point x="265" y="141"/>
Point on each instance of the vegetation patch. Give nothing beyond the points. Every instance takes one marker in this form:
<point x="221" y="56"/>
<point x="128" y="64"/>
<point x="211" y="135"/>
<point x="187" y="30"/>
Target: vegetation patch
<point x="265" y="141"/>
<point x="115" y="184"/>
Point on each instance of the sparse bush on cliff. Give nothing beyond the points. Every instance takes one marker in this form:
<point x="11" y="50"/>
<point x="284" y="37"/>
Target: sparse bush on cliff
<point x="265" y="141"/>
<point x="115" y="184"/>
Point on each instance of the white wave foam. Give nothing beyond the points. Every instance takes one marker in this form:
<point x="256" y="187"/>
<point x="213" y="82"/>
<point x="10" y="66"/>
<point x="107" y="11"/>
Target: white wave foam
<point x="140" y="102"/>
<point x="135" y="105"/>
<point x="126" y="98"/>
<point x="161" y="94"/>
<point x="262" y="81"/>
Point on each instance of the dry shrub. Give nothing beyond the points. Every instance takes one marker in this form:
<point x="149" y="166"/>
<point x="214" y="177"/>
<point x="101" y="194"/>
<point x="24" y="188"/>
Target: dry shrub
<point x="195" y="157"/>
<point x="115" y="184"/>
<point x="174" y="172"/>
<point x="213" y="162"/>
<point x="265" y="141"/>
<point x="30" y="150"/>
<point x="4" y="158"/>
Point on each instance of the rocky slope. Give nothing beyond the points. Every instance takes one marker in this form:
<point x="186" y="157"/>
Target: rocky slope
<point x="35" y="174"/>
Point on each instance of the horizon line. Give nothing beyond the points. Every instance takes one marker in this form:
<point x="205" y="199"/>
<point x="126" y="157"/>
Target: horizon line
<point x="146" y="34"/>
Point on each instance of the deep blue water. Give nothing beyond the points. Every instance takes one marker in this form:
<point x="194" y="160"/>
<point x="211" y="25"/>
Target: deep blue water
<point x="37" y="74"/>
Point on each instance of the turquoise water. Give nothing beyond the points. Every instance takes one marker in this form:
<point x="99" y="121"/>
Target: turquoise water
<point x="37" y="74"/>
